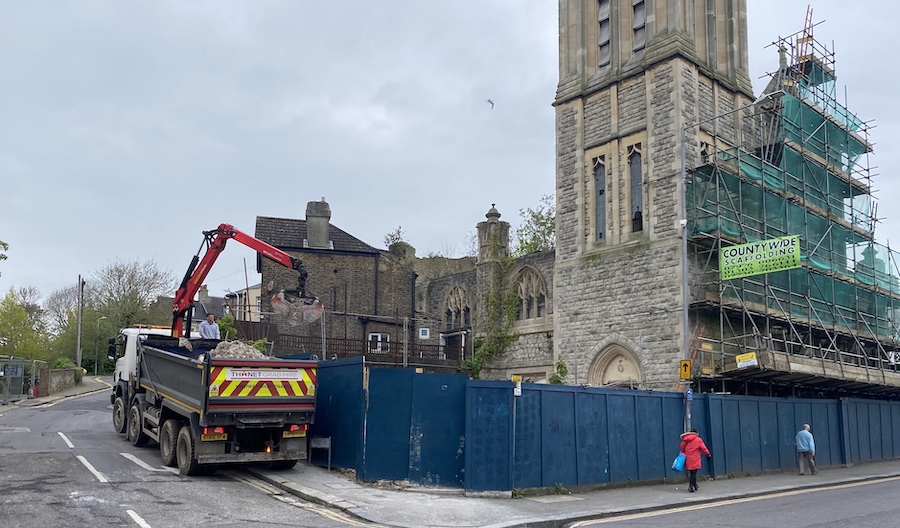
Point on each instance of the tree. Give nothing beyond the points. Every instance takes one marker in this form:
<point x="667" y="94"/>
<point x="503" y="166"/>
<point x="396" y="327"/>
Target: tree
<point x="125" y="291"/>
<point x="470" y="244"/>
<point x="29" y="298"/>
<point x="18" y="336"/>
<point x="393" y="237"/>
<point x="538" y="229"/>
<point x="226" y="327"/>
<point x="57" y="308"/>
<point x="4" y="247"/>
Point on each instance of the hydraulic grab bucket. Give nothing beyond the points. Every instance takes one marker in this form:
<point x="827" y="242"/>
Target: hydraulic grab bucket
<point x="297" y="310"/>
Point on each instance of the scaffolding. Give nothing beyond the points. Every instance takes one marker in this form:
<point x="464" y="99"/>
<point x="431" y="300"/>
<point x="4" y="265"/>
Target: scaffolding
<point x="794" y="163"/>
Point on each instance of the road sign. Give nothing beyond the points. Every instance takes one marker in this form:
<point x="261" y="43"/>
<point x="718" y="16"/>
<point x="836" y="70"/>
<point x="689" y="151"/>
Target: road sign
<point x="685" y="369"/>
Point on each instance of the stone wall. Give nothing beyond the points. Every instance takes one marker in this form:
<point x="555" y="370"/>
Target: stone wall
<point x="51" y="381"/>
<point x="369" y="292"/>
<point x="434" y="294"/>
<point x="627" y="291"/>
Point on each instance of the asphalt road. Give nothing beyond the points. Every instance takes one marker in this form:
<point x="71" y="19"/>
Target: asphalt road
<point x="63" y="465"/>
<point x="860" y="505"/>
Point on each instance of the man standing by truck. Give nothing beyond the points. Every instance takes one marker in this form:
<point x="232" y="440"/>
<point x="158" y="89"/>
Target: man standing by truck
<point x="209" y="329"/>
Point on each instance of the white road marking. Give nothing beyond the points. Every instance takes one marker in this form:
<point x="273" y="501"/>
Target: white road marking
<point x="137" y="518"/>
<point x="726" y="502"/>
<point x="9" y="429"/>
<point x="66" y="440"/>
<point x="91" y="468"/>
<point x="141" y="463"/>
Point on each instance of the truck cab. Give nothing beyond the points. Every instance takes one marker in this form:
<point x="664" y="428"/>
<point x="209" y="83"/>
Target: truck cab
<point x="123" y="349"/>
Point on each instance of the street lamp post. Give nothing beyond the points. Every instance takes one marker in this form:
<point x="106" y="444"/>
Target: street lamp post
<point x="97" y="350"/>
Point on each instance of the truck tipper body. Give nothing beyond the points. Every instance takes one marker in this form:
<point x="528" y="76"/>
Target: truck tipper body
<point x="205" y="410"/>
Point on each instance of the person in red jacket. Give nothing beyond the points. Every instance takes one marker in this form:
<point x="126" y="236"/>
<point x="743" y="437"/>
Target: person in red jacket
<point x="692" y="445"/>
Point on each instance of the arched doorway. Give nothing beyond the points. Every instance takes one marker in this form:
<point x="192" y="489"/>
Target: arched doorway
<point x="615" y="365"/>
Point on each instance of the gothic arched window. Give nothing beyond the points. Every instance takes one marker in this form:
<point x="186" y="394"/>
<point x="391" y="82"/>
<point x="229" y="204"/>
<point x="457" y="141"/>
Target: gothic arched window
<point x="532" y="295"/>
<point x="456" y="309"/>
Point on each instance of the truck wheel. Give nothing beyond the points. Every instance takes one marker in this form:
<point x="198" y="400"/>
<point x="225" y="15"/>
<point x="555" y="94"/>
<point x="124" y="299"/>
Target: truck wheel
<point x="136" y="434"/>
<point x="119" y="415"/>
<point x="167" y="437"/>
<point x="186" y="453"/>
<point x="280" y="465"/>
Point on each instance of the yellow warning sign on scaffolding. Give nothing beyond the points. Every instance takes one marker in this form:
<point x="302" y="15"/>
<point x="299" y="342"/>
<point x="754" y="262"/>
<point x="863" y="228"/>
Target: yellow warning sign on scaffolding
<point x="758" y="258"/>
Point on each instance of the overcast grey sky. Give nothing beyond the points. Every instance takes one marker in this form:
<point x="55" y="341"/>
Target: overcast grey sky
<point x="127" y="128"/>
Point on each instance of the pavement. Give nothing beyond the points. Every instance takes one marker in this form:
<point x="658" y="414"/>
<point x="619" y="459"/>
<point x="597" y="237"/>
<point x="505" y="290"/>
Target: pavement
<point x="408" y="506"/>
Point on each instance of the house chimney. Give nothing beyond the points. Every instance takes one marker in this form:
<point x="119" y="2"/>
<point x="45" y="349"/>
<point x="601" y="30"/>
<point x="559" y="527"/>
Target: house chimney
<point x="318" y="215"/>
<point x="203" y="294"/>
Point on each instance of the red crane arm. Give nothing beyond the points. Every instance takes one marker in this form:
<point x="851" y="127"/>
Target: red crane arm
<point x="198" y="270"/>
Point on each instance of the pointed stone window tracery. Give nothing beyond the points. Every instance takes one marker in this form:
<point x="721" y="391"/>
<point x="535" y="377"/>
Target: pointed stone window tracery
<point x="457" y="313"/>
<point x="532" y="295"/>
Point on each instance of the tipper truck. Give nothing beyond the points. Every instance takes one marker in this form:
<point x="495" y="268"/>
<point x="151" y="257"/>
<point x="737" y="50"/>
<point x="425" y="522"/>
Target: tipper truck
<point x="205" y="409"/>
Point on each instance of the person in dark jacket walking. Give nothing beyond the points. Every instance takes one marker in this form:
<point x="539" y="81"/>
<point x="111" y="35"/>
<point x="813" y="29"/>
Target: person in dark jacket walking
<point x="692" y="445"/>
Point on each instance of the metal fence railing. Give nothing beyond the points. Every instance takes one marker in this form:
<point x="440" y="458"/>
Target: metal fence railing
<point x="12" y="379"/>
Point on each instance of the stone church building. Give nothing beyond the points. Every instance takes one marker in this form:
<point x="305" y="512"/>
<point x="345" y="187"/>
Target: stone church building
<point x="664" y="157"/>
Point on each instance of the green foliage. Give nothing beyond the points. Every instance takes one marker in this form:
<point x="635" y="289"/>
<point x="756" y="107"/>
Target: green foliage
<point x="559" y="489"/>
<point x="517" y="493"/>
<point x="126" y="290"/>
<point x="20" y="336"/>
<point x="226" y="327"/>
<point x="393" y="237"/>
<point x="501" y="307"/>
<point x="562" y="371"/>
<point x="538" y="229"/>
<point x="260" y="344"/>
<point x="4" y="247"/>
<point x="63" y="363"/>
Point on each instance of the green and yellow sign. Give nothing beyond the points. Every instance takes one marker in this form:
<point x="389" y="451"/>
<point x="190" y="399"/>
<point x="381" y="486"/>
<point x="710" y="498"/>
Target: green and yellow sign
<point x="758" y="258"/>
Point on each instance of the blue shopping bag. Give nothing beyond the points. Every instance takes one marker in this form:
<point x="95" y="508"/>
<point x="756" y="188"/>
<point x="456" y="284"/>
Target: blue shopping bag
<point x="678" y="463"/>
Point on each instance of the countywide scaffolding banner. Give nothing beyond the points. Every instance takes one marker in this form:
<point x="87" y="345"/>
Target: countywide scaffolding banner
<point x="757" y="258"/>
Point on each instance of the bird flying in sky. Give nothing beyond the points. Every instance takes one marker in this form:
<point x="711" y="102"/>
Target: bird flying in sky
<point x="490" y="102"/>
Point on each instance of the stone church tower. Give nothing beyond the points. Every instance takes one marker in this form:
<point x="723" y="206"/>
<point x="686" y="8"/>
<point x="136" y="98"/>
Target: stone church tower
<point x="632" y="75"/>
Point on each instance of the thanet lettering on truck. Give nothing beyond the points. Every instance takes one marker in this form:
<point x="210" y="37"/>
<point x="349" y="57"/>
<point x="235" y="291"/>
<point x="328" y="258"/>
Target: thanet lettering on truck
<point x="233" y="382"/>
<point x="234" y="374"/>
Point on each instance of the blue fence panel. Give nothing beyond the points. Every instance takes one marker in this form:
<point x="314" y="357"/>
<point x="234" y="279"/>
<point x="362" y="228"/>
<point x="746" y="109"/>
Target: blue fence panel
<point x="437" y="435"/>
<point x="672" y="416"/>
<point x="528" y="423"/>
<point x="787" y="430"/>
<point x="862" y="430"/>
<point x="751" y="458"/>
<point x="489" y="439"/>
<point x="340" y="404"/>
<point x="651" y="460"/>
<point x="388" y="418"/>
<point x="622" y="438"/>
<point x="558" y="440"/>
<point x="733" y="435"/>
<point x="769" y="444"/>
<point x="895" y="430"/>
<point x="591" y="431"/>
<point x="875" y="431"/>
<point x="821" y="426"/>
<point x="887" y="447"/>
